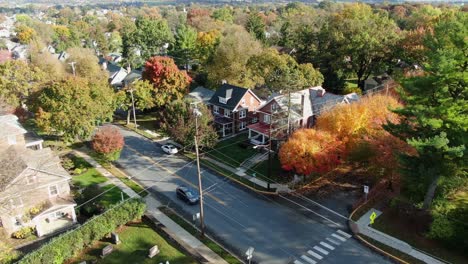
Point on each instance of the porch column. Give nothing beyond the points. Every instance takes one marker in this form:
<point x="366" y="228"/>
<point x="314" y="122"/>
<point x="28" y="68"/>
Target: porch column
<point x="223" y="131"/>
<point x="263" y="139"/>
<point x="73" y="215"/>
<point x="250" y="133"/>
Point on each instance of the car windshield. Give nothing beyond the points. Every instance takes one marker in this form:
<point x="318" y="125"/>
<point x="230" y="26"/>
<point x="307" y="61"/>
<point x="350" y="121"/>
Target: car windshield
<point x="170" y="147"/>
<point x="190" y="194"/>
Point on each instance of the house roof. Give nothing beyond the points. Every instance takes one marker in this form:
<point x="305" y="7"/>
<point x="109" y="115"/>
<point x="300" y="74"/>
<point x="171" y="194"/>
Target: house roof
<point x="201" y="94"/>
<point x="15" y="160"/>
<point x="132" y="76"/>
<point x="9" y="126"/>
<point x="232" y="93"/>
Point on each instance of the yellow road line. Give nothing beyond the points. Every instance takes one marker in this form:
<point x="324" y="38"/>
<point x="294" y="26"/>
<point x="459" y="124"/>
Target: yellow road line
<point x="173" y="173"/>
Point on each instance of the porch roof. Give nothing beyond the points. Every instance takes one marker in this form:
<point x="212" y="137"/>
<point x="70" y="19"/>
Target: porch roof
<point x="56" y="204"/>
<point x="260" y="128"/>
<point x="222" y="119"/>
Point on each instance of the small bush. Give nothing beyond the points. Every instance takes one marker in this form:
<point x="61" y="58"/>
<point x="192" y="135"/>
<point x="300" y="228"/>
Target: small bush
<point x="77" y="171"/>
<point x="23" y="232"/>
<point x="67" y="163"/>
<point x="108" y="141"/>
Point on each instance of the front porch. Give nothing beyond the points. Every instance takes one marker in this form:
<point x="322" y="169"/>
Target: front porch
<point x="54" y="219"/>
<point x="224" y="126"/>
<point x="259" y="133"/>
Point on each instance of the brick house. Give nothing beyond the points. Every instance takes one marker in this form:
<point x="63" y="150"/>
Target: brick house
<point x="306" y="106"/>
<point x="34" y="187"/>
<point x="233" y="109"/>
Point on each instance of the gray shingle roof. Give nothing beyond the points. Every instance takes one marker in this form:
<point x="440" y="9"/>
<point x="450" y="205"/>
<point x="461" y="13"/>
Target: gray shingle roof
<point x="9" y="126"/>
<point x="201" y="94"/>
<point x="236" y="93"/>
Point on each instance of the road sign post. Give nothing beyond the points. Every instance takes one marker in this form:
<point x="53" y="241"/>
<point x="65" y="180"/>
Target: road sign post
<point x="366" y="191"/>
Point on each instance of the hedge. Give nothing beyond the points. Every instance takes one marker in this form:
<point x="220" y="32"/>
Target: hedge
<point x="68" y="245"/>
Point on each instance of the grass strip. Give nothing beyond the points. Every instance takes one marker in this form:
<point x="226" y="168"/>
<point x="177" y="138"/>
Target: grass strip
<point x="228" y="257"/>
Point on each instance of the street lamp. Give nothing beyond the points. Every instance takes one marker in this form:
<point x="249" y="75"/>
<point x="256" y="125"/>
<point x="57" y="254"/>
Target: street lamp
<point x="198" y="114"/>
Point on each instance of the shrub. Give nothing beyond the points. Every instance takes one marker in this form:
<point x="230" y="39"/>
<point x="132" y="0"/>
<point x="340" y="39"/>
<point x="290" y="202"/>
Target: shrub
<point x="23" y="232"/>
<point x="68" y="245"/>
<point x="67" y="163"/>
<point x="108" y="141"/>
<point x="7" y="254"/>
<point x="77" y="171"/>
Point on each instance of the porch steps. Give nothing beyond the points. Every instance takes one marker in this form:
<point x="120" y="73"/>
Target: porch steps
<point x="250" y="162"/>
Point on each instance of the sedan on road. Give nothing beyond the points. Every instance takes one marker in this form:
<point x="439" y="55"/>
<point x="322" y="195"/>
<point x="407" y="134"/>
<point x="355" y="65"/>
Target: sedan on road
<point x="169" y="149"/>
<point x="187" y="195"/>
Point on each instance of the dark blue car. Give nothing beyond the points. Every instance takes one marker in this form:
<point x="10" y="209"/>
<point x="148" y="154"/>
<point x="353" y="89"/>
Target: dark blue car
<point x="187" y="195"/>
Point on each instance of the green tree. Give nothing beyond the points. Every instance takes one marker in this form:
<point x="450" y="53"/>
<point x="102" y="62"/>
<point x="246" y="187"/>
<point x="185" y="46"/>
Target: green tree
<point x="256" y="26"/>
<point x="18" y="80"/>
<point x="282" y="72"/>
<point x="115" y="42"/>
<point x="230" y="59"/>
<point x="143" y="97"/>
<point x="179" y="122"/>
<point x="72" y="107"/>
<point x="360" y="40"/>
<point x="434" y="119"/>
<point x="85" y="63"/>
<point x="223" y="14"/>
<point x="185" y="44"/>
<point x="24" y="33"/>
<point x="148" y="37"/>
<point x="169" y="83"/>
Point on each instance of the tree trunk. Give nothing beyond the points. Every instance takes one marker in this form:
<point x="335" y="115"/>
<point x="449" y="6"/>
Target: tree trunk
<point x="128" y="116"/>
<point x="430" y="193"/>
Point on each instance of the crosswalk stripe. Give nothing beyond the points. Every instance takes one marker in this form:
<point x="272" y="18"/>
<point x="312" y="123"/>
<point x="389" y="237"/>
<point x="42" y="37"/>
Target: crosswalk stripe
<point x="297" y="262"/>
<point x="321" y="250"/>
<point x="312" y="253"/>
<point x="333" y="241"/>
<point x="340" y="238"/>
<point x="327" y="245"/>
<point x="344" y="233"/>
<point x="306" y="258"/>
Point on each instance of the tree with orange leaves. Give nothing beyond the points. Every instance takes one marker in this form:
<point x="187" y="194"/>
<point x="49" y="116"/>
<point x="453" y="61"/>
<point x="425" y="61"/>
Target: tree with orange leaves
<point x="310" y="151"/>
<point x="169" y="82"/>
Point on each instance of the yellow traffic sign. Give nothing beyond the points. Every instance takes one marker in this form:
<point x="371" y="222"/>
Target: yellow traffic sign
<point x="372" y="217"/>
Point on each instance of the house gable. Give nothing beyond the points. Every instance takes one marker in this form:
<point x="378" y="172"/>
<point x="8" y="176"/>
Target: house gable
<point x="228" y="96"/>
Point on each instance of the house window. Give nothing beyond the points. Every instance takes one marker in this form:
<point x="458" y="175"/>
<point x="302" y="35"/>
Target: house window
<point x="227" y="113"/>
<point x="31" y="179"/>
<point x="274" y="106"/>
<point x="11" y="140"/>
<point x="53" y="190"/>
<point x="266" y="119"/>
<point x="242" y="113"/>
<point x="242" y="126"/>
<point x="254" y="120"/>
<point x="16" y="202"/>
<point x="216" y="109"/>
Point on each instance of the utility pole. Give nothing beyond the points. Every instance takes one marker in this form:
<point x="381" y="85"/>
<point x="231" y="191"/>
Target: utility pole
<point x="197" y="113"/>
<point x="133" y="106"/>
<point x="269" y="151"/>
<point x="73" y="67"/>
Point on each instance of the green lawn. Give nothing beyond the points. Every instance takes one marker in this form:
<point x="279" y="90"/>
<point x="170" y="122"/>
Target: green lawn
<point x="90" y="177"/>
<point x="231" y="152"/>
<point x="113" y="196"/>
<point x="261" y="171"/>
<point x="136" y="239"/>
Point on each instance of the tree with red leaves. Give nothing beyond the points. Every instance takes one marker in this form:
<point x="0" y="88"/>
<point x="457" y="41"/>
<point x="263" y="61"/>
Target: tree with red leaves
<point x="310" y="151"/>
<point x="169" y="82"/>
<point x="108" y="142"/>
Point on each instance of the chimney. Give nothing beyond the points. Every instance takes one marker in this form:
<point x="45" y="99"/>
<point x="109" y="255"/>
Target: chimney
<point x="104" y="65"/>
<point x="223" y="81"/>
<point x="129" y="69"/>
<point x="320" y="92"/>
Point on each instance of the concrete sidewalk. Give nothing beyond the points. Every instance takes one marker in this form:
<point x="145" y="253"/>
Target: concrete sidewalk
<point x="241" y="172"/>
<point x="152" y="209"/>
<point x="365" y="229"/>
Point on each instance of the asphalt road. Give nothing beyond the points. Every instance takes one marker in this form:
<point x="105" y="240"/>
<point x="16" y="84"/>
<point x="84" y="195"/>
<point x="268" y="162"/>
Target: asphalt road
<point x="281" y="229"/>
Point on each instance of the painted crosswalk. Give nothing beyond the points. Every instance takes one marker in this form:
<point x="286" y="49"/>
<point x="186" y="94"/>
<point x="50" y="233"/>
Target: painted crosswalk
<point x="307" y="259"/>
<point x="312" y="253"/>
<point x="323" y="248"/>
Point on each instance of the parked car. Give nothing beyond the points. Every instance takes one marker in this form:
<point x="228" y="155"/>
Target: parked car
<point x="187" y="195"/>
<point x="169" y="149"/>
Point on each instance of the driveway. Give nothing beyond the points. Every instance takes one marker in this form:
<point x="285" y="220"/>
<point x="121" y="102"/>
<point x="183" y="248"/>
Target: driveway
<point x="280" y="229"/>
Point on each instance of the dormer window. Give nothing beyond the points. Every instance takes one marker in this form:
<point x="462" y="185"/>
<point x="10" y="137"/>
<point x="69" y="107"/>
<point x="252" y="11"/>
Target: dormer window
<point x="222" y="100"/>
<point x="274" y="106"/>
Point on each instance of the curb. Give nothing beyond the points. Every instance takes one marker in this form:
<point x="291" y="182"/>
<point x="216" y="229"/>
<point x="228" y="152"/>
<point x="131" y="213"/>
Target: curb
<point x="355" y="230"/>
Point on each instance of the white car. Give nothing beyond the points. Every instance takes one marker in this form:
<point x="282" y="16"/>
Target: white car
<point x="169" y="149"/>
